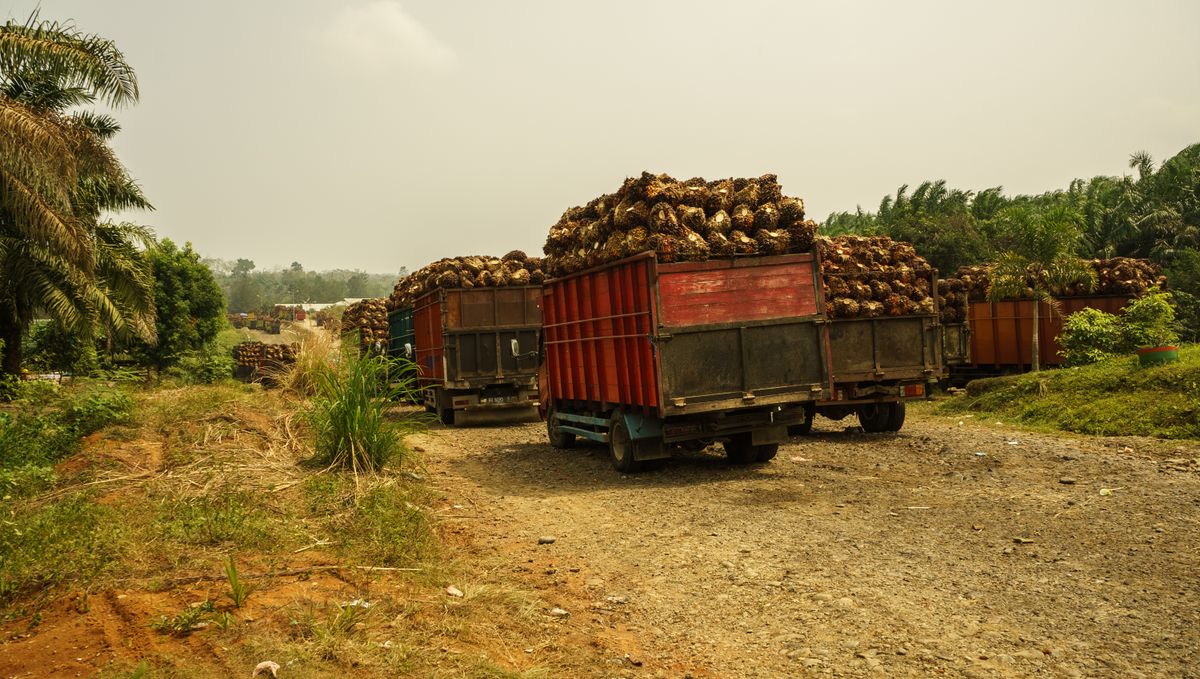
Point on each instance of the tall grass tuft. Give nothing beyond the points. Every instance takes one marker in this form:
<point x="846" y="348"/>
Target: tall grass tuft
<point x="318" y="352"/>
<point x="349" y="412"/>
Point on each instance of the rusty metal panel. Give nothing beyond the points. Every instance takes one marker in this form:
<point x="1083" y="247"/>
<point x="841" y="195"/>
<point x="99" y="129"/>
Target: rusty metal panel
<point x="888" y="348"/>
<point x="1002" y="332"/>
<point x="737" y="290"/>
<point x="464" y="335"/>
<point x="955" y="344"/>
<point x="643" y="335"/>
<point x="598" y="331"/>
<point x="732" y="363"/>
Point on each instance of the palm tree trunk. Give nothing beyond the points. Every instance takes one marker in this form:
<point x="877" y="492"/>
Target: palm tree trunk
<point x="11" y="333"/>
<point x="1036" y="358"/>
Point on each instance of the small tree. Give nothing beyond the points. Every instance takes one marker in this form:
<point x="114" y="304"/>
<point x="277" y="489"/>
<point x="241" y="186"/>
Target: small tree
<point x="189" y="305"/>
<point x="1042" y="263"/>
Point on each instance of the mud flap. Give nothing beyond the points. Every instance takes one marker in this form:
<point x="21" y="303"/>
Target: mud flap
<point x="646" y="437"/>
<point x="766" y="435"/>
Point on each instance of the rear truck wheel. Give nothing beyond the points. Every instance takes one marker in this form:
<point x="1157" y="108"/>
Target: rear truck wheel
<point x="740" y="449"/>
<point x="620" y="446"/>
<point x="873" y="417"/>
<point x="804" y="427"/>
<point x="896" y="417"/>
<point x="878" y="417"/>
<point x="766" y="452"/>
<point x="446" y="416"/>
<point x="558" y="437"/>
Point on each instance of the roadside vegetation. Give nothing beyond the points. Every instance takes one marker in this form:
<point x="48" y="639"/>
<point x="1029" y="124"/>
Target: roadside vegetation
<point x="1114" y="397"/>
<point x="290" y="525"/>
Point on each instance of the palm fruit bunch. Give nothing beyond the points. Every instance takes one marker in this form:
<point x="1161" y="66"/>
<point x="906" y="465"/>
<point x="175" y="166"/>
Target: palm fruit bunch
<point x="474" y="271"/>
<point x="280" y="354"/>
<point x="370" y="318"/>
<point x="1115" y="276"/>
<point x="689" y="220"/>
<point x="873" y="276"/>
<point x="248" y="354"/>
<point x="953" y="293"/>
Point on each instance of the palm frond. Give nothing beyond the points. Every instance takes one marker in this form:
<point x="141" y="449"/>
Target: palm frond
<point x="75" y="58"/>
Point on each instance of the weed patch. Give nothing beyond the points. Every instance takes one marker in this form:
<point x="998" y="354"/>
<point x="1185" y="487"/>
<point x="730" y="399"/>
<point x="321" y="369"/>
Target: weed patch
<point x="230" y="518"/>
<point x="70" y="541"/>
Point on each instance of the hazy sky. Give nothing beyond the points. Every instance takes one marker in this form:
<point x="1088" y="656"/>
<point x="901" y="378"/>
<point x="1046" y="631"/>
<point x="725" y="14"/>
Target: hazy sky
<point x="376" y="134"/>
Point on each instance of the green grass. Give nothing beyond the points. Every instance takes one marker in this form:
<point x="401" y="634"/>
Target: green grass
<point x="70" y="541"/>
<point x="349" y="414"/>
<point x="45" y="425"/>
<point x="225" y="517"/>
<point x="1111" y="398"/>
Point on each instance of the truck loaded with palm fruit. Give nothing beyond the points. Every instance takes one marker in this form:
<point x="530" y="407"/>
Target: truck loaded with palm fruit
<point x="691" y="313"/>
<point x="470" y="326"/>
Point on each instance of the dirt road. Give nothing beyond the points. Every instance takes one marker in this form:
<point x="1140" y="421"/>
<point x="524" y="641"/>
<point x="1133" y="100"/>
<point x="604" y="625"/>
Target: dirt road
<point x="950" y="549"/>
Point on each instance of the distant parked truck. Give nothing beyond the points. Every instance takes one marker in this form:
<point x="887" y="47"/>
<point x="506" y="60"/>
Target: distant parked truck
<point x="997" y="337"/>
<point x="475" y="349"/>
<point x="642" y="355"/>
<point x="877" y="364"/>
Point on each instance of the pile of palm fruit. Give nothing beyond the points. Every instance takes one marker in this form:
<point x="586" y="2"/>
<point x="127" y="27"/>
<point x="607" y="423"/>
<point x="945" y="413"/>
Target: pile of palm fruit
<point x="1116" y="276"/>
<point x="680" y="221"/>
<point x="280" y="354"/>
<point x="255" y="355"/>
<point x="474" y="271"/>
<point x="248" y="354"/>
<point x="873" y="276"/>
<point x="370" y="318"/>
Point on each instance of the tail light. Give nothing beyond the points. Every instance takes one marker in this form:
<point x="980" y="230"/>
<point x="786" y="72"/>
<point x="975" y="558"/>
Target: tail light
<point x="914" y="390"/>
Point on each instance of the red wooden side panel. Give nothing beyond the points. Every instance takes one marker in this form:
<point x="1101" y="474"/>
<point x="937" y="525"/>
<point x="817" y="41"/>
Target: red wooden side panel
<point x="1002" y="332"/>
<point x="427" y="327"/>
<point x="733" y="290"/>
<point x="596" y="328"/>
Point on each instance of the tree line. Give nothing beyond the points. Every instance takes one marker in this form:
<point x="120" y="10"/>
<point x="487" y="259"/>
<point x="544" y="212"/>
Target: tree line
<point x="248" y="289"/>
<point x="1152" y="212"/>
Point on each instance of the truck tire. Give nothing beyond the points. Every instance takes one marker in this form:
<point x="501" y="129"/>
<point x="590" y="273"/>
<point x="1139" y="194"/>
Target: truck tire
<point x="874" y="417"/>
<point x="740" y="450"/>
<point x="558" y="437"/>
<point x="446" y="416"/>
<point x="896" y="417"/>
<point x="804" y="427"/>
<point x="620" y="446"/>
<point x="766" y="452"/>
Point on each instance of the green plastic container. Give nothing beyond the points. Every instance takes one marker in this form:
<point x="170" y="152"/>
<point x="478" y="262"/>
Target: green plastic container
<point x="1157" y="355"/>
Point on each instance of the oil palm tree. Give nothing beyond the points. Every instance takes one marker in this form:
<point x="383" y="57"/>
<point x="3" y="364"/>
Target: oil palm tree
<point x="1044" y="262"/>
<point x="57" y="176"/>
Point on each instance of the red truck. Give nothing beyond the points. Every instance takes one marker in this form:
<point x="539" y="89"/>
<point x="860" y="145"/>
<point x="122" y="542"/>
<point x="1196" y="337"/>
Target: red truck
<point x="475" y="349"/>
<point x="641" y="355"/>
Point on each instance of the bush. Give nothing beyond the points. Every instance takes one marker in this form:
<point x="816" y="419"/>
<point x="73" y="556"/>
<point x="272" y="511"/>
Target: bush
<point x="47" y="428"/>
<point x="207" y="366"/>
<point x="1091" y="335"/>
<point x="349" y="412"/>
<point x="71" y="540"/>
<point x="1150" y="321"/>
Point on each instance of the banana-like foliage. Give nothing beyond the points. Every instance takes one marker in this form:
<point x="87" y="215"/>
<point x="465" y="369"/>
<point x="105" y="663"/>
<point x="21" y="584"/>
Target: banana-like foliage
<point x="58" y="176"/>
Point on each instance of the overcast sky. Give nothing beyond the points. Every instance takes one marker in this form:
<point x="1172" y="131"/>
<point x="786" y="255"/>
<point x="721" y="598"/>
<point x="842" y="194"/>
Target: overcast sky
<point x="376" y="134"/>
